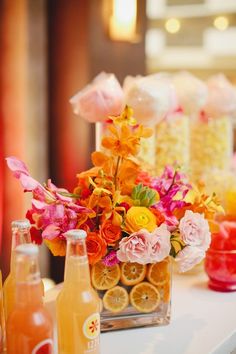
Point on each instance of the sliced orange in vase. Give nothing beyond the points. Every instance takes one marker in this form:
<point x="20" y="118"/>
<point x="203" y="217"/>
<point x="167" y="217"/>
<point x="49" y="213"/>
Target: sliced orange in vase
<point x="116" y="299"/>
<point x="132" y="273"/>
<point x="104" y="277"/>
<point x="158" y="273"/>
<point x="165" y="291"/>
<point x="145" y="297"/>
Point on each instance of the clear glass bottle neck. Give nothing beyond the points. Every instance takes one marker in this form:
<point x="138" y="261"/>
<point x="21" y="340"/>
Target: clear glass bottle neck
<point x="77" y="266"/>
<point x="28" y="280"/>
<point x="19" y="237"/>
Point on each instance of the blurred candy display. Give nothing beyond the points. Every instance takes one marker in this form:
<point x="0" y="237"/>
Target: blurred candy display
<point x="191" y="121"/>
<point x="211" y="144"/>
<point x="211" y="129"/>
<point x="172" y="141"/>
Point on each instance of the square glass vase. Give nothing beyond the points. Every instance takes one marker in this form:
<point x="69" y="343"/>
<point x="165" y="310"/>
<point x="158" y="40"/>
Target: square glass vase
<point x="140" y="295"/>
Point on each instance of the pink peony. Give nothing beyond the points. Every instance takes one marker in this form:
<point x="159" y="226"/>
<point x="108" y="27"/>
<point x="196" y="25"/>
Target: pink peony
<point x="135" y="248"/>
<point x="189" y="257"/>
<point x="99" y="100"/>
<point x="144" y="247"/>
<point x="160" y="244"/>
<point x="194" y="230"/>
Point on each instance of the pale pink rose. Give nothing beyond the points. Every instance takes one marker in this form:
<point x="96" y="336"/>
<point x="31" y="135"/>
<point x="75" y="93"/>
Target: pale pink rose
<point x="194" y="230"/>
<point x="189" y="257"/>
<point x="135" y="248"/>
<point x="145" y="247"/>
<point x="160" y="244"/>
<point x="99" y="100"/>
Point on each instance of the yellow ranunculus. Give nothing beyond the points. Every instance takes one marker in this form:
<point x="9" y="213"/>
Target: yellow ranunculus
<point x="138" y="218"/>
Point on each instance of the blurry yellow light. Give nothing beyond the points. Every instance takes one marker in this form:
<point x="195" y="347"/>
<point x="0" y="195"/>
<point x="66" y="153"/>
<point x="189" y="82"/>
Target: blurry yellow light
<point x="172" y="25"/>
<point x="221" y="23"/>
<point x="122" y="25"/>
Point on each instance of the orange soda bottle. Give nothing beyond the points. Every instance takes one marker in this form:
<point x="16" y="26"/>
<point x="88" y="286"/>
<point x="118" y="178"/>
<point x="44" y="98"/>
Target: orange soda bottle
<point x="20" y="235"/>
<point x="77" y="305"/>
<point x="29" y="326"/>
<point x="2" y="319"/>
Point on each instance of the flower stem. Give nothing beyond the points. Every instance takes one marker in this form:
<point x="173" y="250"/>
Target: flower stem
<point x="116" y="171"/>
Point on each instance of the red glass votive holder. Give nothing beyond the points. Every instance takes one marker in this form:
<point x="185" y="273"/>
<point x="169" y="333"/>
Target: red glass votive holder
<point x="220" y="266"/>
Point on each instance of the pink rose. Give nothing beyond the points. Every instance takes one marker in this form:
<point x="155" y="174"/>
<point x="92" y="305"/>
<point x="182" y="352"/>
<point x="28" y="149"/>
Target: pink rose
<point x="194" y="230"/>
<point x="145" y="247"/>
<point x="160" y="244"/>
<point x="135" y="248"/>
<point x="99" y="100"/>
<point x="189" y="257"/>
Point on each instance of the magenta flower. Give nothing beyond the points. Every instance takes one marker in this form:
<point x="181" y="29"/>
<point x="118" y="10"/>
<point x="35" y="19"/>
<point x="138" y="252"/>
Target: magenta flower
<point x="53" y="209"/>
<point x="168" y="185"/>
<point x="111" y="259"/>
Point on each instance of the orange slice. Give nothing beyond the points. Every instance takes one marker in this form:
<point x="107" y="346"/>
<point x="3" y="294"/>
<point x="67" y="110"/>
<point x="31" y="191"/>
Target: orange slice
<point x="116" y="299"/>
<point x="158" y="273"/>
<point x="132" y="273"/>
<point x="104" y="277"/>
<point x="145" y="297"/>
<point x="164" y="291"/>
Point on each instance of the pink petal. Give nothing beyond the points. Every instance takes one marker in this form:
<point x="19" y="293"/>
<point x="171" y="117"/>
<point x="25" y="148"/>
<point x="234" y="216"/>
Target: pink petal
<point x="63" y="198"/>
<point x="16" y="165"/>
<point x="78" y="208"/>
<point x="28" y="183"/>
<point x="39" y="205"/>
<point x="51" y="232"/>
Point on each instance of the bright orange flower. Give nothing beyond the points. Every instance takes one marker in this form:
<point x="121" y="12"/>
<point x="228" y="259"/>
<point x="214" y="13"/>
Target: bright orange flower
<point x="105" y="162"/>
<point x="127" y="175"/>
<point x="57" y="246"/>
<point x="159" y="216"/>
<point x="125" y="141"/>
<point x="96" y="247"/>
<point x="111" y="233"/>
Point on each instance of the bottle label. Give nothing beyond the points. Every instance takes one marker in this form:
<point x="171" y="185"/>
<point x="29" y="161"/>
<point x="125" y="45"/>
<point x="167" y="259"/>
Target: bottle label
<point x="44" y="347"/>
<point x="91" y="326"/>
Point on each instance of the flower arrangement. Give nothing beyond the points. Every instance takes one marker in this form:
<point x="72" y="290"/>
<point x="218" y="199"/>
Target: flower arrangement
<point x="129" y="215"/>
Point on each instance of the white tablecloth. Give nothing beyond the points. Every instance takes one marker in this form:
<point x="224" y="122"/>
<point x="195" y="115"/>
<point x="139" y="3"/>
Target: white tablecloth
<point x="203" y="322"/>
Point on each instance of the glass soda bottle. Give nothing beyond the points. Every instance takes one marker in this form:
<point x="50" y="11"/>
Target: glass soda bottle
<point x="29" y="326"/>
<point x="77" y="305"/>
<point x="2" y="319"/>
<point x="20" y="235"/>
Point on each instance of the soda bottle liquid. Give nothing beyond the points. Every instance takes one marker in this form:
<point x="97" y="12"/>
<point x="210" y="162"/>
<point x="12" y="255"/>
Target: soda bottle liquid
<point x="78" y="305"/>
<point x="29" y="326"/>
<point x="20" y="235"/>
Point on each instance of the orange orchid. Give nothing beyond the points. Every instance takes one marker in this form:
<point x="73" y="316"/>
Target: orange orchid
<point x="126" y="117"/>
<point x="124" y="140"/>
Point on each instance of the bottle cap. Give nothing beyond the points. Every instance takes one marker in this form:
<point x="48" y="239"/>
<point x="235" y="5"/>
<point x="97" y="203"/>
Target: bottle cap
<point x="20" y="224"/>
<point x="76" y="234"/>
<point x="28" y="249"/>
